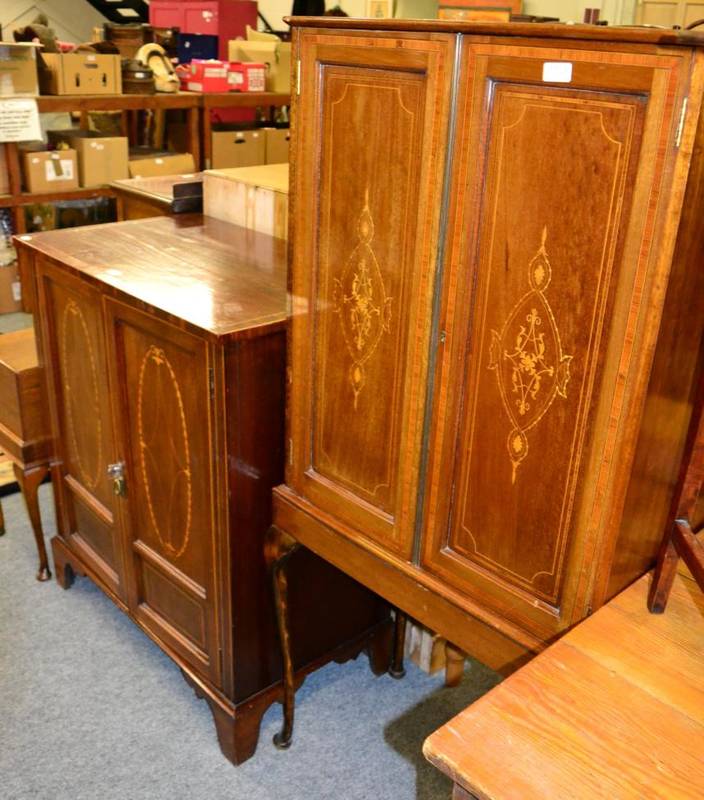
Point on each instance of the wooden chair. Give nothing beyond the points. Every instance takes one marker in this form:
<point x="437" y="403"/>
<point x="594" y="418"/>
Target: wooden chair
<point x="24" y="427"/>
<point x="681" y="541"/>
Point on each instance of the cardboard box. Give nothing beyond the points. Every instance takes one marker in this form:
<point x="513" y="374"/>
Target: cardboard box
<point x="208" y="76"/>
<point x="101" y="159"/>
<point x="50" y="170"/>
<point x="238" y="148"/>
<point x="277" y="145"/>
<point x="276" y="56"/>
<point x="176" y="164"/>
<point x="10" y="290"/>
<point x="253" y="197"/>
<point x="4" y="173"/>
<point x="80" y="73"/>
<point x="18" y="69"/>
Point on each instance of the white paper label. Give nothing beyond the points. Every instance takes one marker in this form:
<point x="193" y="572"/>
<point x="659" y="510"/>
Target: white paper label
<point x="58" y="169"/>
<point x="16" y="291"/>
<point x="557" y="71"/>
<point x="19" y="120"/>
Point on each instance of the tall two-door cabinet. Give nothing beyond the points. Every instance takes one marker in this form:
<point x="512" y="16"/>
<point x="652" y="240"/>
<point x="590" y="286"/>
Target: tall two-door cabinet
<point x="498" y="287"/>
<point x="163" y="346"/>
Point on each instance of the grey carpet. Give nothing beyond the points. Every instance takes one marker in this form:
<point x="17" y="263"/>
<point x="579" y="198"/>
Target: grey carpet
<point x="90" y="709"/>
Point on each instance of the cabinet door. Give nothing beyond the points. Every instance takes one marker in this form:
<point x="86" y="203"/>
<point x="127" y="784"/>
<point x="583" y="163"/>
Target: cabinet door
<point x="77" y="379"/>
<point x="370" y="132"/>
<point x="163" y="408"/>
<point x="562" y="237"/>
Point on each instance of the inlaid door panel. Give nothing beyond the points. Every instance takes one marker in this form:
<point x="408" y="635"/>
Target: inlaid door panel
<point x="552" y="263"/>
<point x="363" y="283"/>
<point x="162" y="379"/>
<point x="81" y="414"/>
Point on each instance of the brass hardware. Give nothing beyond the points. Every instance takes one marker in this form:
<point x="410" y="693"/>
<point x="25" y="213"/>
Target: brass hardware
<point x="117" y="473"/>
<point x="298" y="76"/>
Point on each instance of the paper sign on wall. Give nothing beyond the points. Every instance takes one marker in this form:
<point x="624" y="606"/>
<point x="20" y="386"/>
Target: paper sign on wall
<point x="19" y="120"/>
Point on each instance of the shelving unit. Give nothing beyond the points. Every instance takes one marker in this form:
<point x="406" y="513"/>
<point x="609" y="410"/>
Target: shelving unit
<point x="197" y="107"/>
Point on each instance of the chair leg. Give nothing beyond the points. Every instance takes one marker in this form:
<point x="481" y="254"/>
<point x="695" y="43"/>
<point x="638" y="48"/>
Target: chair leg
<point x="663" y="578"/>
<point x="397" y="670"/>
<point x="279" y="547"/>
<point x="29" y="481"/>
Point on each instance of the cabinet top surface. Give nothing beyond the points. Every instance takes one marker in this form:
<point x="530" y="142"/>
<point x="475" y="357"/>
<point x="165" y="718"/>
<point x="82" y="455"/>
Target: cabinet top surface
<point x="220" y="278"/>
<point x="596" y="33"/>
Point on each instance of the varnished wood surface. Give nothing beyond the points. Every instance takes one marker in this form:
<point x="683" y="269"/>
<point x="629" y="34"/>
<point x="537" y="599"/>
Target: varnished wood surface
<point x="158" y="188"/>
<point x="217" y="278"/>
<point x="549" y="31"/>
<point x="18" y="350"/>
<point x="614" y="710"/>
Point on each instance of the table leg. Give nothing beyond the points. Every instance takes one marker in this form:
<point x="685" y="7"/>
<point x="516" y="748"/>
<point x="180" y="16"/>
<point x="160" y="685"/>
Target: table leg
<point x="2" y="521"/>
<point x="29" y="481"/>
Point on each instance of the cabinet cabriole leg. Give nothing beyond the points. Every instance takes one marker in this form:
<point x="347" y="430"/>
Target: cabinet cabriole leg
<point x="279" y="547"/>
<point x="454" y="665"/>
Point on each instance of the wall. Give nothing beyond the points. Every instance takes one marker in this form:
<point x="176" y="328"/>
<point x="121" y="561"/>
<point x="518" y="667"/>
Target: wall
<point x="73" y="20"/>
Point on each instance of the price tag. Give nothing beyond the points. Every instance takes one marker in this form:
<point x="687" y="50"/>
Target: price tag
<point x="557" y="72"/>
<point x="19" y="120"/>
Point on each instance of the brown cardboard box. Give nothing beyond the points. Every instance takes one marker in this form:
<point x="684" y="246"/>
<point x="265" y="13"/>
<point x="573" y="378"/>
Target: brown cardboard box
<point x="276" y="56"/>
<point x="176" y="164"/>
<point x="80" y="73"/>
<point x="238" y="149"/>
<point x="50" y="170"/>
<point x="277" y="140"/>
<point x="101" y="159"/>
<point x="10" y="290"/>
<point x="18" y="69"/>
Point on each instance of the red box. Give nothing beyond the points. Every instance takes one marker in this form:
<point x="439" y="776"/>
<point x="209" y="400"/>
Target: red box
<point x="208" y="76"/>
<point x="247" y="76"/>
<point x="226" y="19"/>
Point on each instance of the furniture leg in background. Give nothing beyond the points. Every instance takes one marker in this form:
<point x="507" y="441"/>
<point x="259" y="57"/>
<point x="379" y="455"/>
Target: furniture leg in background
<point x="29" y="481"/>
<point x="680" y="540"/>
<point x="24" y="426"/>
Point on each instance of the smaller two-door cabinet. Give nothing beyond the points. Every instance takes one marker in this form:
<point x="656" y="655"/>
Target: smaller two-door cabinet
<point x="163" y="343"/>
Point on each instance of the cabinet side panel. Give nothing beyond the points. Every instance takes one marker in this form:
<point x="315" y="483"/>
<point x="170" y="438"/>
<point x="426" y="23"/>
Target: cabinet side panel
<point x="668" y="406"/>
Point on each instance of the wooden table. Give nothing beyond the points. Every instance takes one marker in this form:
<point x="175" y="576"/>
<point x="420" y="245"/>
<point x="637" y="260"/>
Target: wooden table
<point x="24" y="426"/>
<point x="615" y="709"/>
<point x="139" y="198"/>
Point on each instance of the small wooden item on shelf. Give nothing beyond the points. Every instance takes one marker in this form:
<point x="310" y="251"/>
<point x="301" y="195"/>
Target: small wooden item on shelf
<point x="159" y="196"/>
<point x="24" y="426"/>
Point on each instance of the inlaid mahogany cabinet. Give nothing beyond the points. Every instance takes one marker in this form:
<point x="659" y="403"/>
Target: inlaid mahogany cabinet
<point x="497" y="304"/>
<point x="163" y="344"/>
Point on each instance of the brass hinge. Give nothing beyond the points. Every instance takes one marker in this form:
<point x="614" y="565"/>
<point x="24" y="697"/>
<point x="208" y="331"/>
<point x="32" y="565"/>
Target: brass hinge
<point x="211" y="382"/>
<point x="298" y="76"/>
<point x="680" y="126"/>
<point x="290" y="452"/>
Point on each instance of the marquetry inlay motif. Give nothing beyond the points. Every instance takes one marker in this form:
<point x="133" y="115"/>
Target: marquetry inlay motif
<point x="164" y="452"/>
<point x="360" y="299"/>
<point x="84" y="423"/>
<point x="531" y="369"/>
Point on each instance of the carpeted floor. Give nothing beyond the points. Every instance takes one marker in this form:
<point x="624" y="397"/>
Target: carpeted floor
<point x="90" y="709"/>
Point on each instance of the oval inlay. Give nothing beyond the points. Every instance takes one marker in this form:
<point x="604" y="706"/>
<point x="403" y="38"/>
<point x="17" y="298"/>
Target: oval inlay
<point x="81" y="396"/>
<point x="164" y="452"/>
